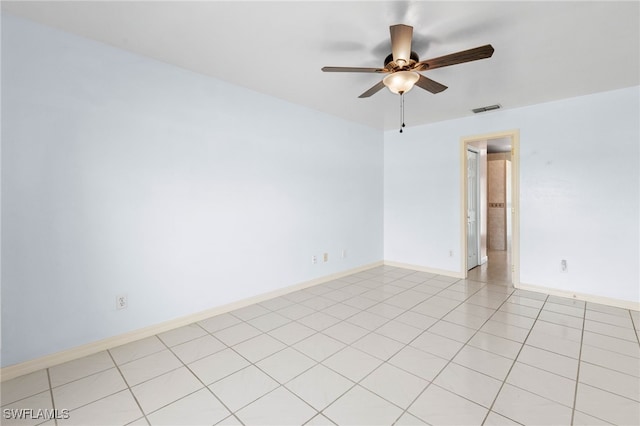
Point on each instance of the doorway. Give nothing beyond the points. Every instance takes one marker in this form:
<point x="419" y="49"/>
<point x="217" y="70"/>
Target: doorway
<point x="490" y="207"/>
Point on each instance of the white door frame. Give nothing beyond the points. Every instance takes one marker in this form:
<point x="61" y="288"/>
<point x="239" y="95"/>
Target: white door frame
<point x="514" y="135"/>
<point x="478" y="212"/>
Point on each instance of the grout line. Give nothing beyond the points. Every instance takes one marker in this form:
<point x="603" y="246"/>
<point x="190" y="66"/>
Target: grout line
<point x="635" y="327"/>
<point x="575" y="394"/>
<point x="205" y="386"/>
<point x="85" y="377"/>
<point x="287" y="345"/>
<point x="128" y="388"/>
<point x="318" y="415"/>
<point x="79" y="378"/>
<point x="615" y="325"/>
<point x="604" y="367"/>
<point x="53" y="403"/>
<point x="458" y="351"/>
<point x="369" y="332"/>
<point x="504" y="381"/>
<point x="381" y="284"/>
<point x="233" y="413"/>
<point x="612" y="393"/>
<point x="140" y="357"/>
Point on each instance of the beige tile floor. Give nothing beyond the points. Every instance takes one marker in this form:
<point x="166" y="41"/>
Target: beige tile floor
<point x="384" y="346"/>
<point x="496" y="270"/>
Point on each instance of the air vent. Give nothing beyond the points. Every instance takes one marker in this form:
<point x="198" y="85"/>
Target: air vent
<point x="486" y="108"/>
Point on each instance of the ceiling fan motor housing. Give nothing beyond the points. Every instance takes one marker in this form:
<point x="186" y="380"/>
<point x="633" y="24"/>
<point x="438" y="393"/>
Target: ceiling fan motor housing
<point x="393" y="66"/>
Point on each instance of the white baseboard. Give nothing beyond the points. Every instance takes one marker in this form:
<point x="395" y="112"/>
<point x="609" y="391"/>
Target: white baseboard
<point x="619" y="303"/>
<point x="424" y="269"/>
<point x="16" y="370"/>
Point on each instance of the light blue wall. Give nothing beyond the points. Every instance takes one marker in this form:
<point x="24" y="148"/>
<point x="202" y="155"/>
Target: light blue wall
<point x="579" y="192"/>
<point x="121" y="174"/>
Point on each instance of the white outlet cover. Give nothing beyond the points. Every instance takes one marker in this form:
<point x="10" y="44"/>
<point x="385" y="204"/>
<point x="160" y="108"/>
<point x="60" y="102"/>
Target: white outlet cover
<point x="121" y="302"/>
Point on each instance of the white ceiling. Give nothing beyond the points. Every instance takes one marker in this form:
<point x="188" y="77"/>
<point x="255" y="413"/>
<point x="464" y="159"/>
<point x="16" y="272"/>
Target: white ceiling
<point x="543" y="50"/>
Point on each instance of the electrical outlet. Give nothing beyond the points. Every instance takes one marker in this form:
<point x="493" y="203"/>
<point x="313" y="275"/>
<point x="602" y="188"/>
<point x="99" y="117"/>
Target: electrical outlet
<point x="314" y="259"/>
<point x="122" y="302"/>
<point x="563" y="265"/>
<point x="450" y="253"/>
<point x="344" y="253"/>
<point x="325" y="257"/>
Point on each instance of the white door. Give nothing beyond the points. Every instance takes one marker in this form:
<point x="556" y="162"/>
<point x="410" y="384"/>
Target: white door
<point x="472" y="210"/>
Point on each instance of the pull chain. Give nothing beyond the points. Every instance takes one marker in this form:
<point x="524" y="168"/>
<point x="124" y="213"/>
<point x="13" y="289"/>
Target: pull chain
<point x="402" y="96"/>
<point x="401" y="111"/>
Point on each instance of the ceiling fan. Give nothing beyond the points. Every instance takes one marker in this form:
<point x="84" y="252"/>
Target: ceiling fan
<point x="403" y="65"/>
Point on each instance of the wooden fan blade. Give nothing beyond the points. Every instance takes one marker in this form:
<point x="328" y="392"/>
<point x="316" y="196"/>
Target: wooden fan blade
<point x="353" y="69"/>
<point x="481" y="52"/>
<point x="430" y="85"/>
<point x="401" y="42"/>
<point x="373" y="90"/>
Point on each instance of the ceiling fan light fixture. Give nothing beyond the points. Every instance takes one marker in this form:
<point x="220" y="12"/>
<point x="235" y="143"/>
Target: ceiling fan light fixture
<point x="401" y="81"/>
